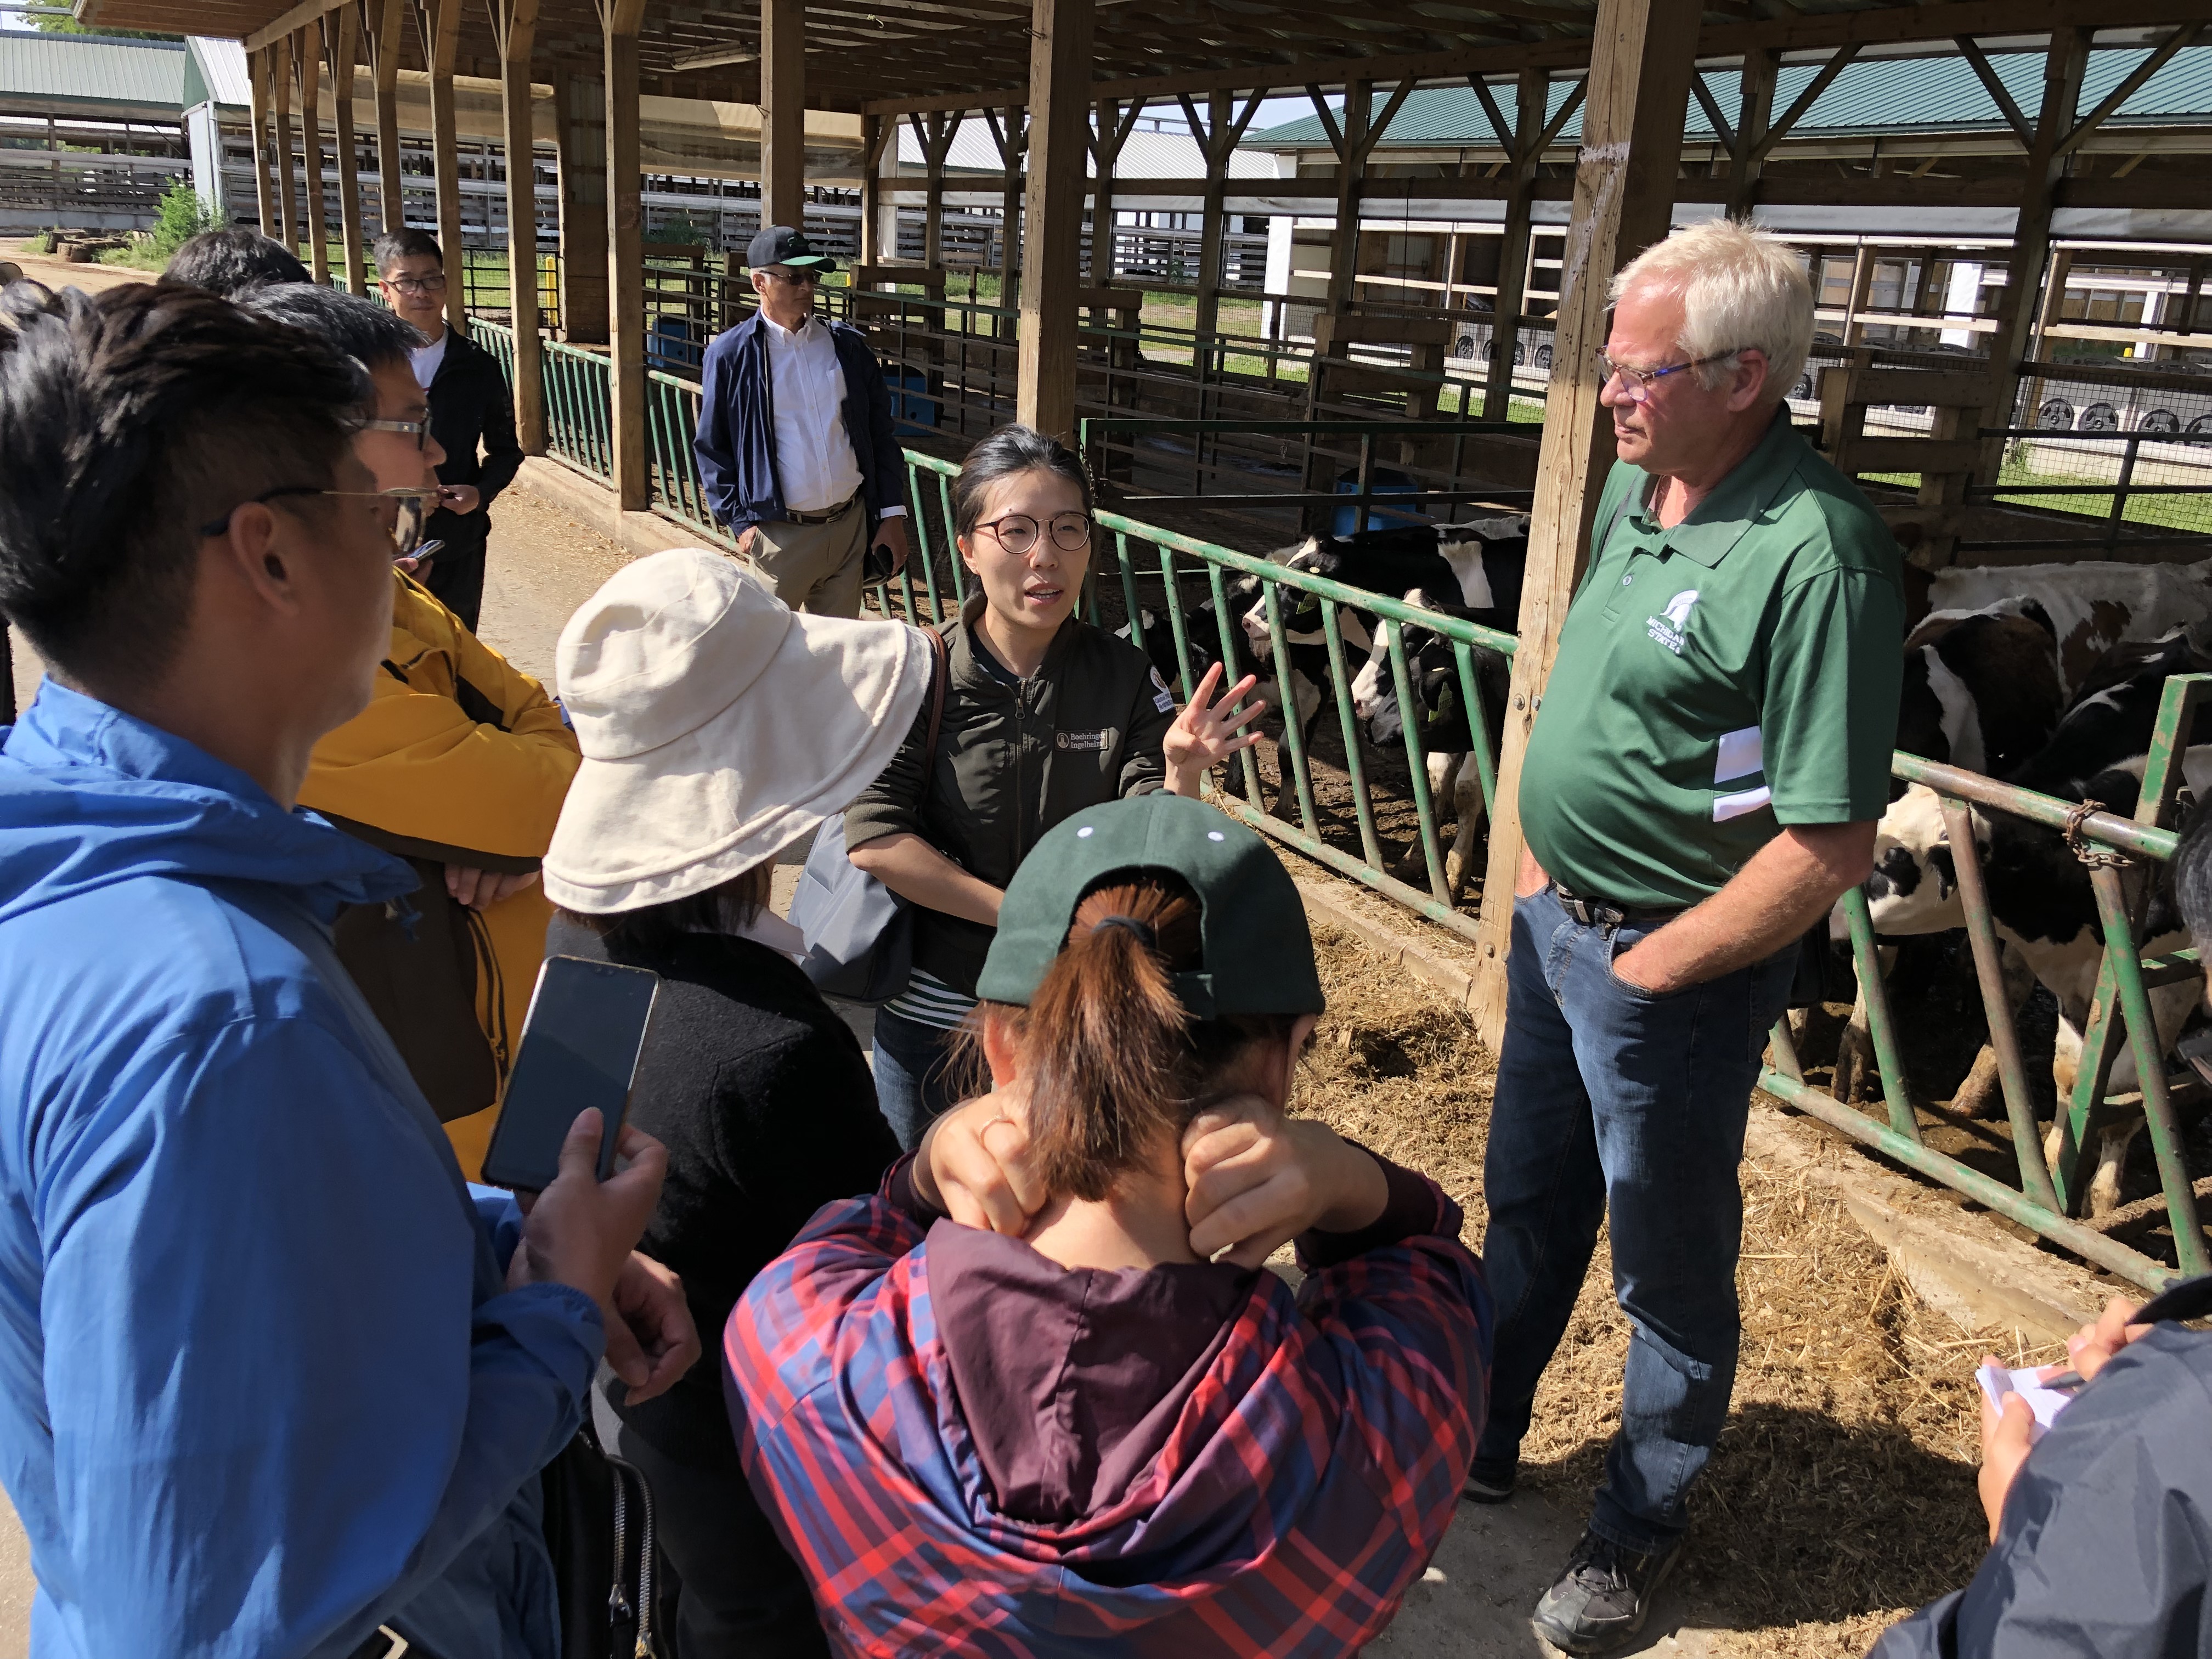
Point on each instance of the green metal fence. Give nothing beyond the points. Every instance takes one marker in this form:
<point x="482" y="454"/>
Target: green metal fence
<point x="2051" y="1193"/>
<point x="1178" y="578"/>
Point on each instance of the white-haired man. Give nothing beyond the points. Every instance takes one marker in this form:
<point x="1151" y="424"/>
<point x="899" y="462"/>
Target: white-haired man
<point x="1700" y="788"/>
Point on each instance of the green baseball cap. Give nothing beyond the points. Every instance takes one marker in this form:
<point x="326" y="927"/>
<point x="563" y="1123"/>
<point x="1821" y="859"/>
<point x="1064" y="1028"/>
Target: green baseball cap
<point x="1257" y="955"/>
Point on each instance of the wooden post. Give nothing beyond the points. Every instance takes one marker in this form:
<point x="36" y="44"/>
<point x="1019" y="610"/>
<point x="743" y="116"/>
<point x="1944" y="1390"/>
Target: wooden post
<point x="1754" y="114"/>
<point x="2017" y="310"/>
<point x="345" y="52"/>
<point x="581" y="134"/>
<point x="444" y="18"/>
<point x="265" y="194"/>
<point x="783" y="113"/>
<point x="1532" y="96"/>
<point x="1350" y="163"/>
<point x="1862" y="289"/>
<point x="286" y="212"/>
<point x="936" y="145"/>
<point x="875" y="133"/>
<point x="1631" y="145"/>
<point x="516" y="23"/>
<point x="1223" y="126"/>
<point x="1059" y="99"/>
<point x="626" y="256"/>
<point x="391" y="194"/>
<point x="308" y="53"/>
<point x="1114" y="127"/>
<point x="1013" y="149"/>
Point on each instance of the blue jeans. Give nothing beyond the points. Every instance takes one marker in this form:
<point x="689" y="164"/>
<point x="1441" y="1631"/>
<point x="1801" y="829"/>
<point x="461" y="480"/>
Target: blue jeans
<point x="911" y="1087"/>
<point x="1611" y="1099"/>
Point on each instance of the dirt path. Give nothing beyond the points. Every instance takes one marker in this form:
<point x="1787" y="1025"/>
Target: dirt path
<point x="60" y="273"/>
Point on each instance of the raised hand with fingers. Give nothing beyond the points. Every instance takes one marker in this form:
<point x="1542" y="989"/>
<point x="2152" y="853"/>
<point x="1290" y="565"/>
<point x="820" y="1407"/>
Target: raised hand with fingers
<point x="974" y="1164"/>
<point x="1209" y="730"/>
<point x="653" y="1338"/>
<point x="1257" y="1179"/>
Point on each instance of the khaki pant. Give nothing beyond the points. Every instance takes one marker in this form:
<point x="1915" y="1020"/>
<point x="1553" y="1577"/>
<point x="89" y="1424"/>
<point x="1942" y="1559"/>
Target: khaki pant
<point x="815" y="567"/>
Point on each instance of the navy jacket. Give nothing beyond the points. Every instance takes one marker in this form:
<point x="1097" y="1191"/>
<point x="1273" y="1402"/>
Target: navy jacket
<point x="2106" y="1545"/>
<point x="735" y="443"/>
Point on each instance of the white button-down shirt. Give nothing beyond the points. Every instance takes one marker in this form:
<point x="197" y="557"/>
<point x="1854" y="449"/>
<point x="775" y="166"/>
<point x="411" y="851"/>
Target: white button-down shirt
<point x="814" y="458"/>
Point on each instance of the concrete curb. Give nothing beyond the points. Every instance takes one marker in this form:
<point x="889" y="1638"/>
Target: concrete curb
<point x="561" y="485"/>
<point x="1980" y="1276"/>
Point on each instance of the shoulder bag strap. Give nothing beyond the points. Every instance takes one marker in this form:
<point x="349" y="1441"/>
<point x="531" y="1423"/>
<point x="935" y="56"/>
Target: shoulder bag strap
<point x="943" y="653"/>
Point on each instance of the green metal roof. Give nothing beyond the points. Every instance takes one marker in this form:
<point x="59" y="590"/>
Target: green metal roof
<point x="129" y="79"/>
<point x="1898" y="95"/>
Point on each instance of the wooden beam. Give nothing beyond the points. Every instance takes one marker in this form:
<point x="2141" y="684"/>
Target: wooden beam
<point x="783" y="113"/>
<point x="289" y="23"/>
<point x="1351" y="149"/>
<point x="1992" y="83"/>
<point x="579" y="101"/>
<point x="1639" y="89"/>
<point x="343" y="34"/>
<point x="287" y="210"/>
<point x="874" y="132"/>
<point x="1863" y="265"/>
<point x="1224" y="124"/>
<point x="1777" y="130"/>
<point x="1532" y="95"/>
<point x="516" y="23"/>
<point x="384" y="69"/>
<point x="2141" y="72"/>
<point x="626" y="256"/>
<point x="265" y="191"/>
<point x="1060" y="33"/>
<point x="440" y="20"/>
<point x="308" y="54"/>
<point x="1754" y="137"/>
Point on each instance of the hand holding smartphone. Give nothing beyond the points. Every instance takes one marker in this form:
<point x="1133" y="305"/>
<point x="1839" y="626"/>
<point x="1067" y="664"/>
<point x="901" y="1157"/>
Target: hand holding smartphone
<point x="579" y="1048"/>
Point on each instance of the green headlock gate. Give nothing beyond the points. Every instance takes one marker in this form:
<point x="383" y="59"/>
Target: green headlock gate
<point x="1158" y="571"/>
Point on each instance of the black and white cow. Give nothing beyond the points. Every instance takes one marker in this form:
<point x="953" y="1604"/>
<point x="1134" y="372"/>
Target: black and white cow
<point x="2039" y="893"/>
<point x="1441" y="717"/>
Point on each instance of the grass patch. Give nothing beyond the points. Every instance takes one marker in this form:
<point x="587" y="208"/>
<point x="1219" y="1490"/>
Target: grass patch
<point x="2191" y="512"/>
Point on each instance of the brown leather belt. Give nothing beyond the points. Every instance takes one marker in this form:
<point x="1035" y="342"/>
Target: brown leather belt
<point x="833" y="514"/>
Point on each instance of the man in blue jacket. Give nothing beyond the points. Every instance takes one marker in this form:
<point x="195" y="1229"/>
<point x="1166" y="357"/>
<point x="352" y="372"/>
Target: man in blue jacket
<point x="273" y="1379"/>
<point x="795" y="444"/>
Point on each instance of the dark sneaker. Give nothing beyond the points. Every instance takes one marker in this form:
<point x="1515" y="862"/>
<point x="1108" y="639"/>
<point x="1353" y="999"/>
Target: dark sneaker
<point x="1490" y="1480"/>
<point x="1600" y="1601"/>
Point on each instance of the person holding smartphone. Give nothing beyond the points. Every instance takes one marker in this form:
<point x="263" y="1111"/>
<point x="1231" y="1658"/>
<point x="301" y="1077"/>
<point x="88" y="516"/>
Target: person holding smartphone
<point x="718" y="728"/>
<point x="1044" y="715"/>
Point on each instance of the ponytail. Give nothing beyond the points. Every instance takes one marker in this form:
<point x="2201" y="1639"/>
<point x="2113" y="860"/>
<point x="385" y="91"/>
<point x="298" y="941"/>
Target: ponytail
<point x="1112" y="1060"/>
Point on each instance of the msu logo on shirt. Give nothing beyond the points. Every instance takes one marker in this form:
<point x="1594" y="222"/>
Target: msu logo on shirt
<point x="1670" y="625"/>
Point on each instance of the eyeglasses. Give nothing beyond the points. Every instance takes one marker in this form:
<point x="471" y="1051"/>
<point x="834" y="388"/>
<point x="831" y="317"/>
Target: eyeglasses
<point x="419" y="429"/>
<point x="411" y="507"/>
<point x="412" y="286"/>
<point x="1017" y="533"/>
<point x="1637" y="382"/>
<point x="796" y="278"/>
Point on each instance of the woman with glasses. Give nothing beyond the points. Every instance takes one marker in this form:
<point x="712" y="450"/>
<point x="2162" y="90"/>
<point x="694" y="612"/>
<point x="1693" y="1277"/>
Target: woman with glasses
<point x="1043" y="716"/>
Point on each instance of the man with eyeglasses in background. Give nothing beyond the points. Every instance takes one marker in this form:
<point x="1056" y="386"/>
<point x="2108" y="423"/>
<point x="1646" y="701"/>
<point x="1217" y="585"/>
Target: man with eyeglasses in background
<point x="1700" y="787"/>
<point x="471" y="412"/>
<point x="795" y="443"/>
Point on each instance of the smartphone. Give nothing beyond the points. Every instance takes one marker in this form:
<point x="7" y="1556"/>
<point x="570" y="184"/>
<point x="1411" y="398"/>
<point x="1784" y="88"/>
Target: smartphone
<point x="580" y="1043"/>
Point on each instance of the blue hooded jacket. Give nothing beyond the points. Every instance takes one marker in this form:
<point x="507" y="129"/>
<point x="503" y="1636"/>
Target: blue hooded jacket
<point x="262" y="1387"/>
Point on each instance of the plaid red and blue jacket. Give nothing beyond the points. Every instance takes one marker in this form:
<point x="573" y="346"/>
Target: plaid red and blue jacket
<point x="1304" y="1486"/>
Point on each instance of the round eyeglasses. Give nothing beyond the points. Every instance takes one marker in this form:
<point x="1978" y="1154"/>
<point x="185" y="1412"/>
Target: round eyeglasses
<point x="1636" y="383"/>
<point x="1017" y="533"/>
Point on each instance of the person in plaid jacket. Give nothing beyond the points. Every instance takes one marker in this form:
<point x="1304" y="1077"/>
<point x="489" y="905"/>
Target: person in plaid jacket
<point x="1036" y="1396"/>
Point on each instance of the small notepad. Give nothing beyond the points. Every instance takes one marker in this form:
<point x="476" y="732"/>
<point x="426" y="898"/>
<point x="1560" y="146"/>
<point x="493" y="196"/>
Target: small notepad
<point x="2046" y="1403"/>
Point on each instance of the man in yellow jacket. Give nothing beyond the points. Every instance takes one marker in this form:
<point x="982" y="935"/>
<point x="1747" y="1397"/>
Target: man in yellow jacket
<point x="459" y="764"/>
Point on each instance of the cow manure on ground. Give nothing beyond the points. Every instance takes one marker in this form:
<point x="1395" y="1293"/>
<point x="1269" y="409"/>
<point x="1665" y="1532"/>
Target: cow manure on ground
<point x="1842" y="1494"/>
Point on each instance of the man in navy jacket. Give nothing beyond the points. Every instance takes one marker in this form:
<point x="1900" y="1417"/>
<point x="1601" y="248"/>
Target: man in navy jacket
<point x="795" y="444"/>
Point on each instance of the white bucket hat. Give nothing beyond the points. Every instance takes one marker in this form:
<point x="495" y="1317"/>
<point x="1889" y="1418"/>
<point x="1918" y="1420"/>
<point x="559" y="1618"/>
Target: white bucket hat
<point x="717" y="727"/>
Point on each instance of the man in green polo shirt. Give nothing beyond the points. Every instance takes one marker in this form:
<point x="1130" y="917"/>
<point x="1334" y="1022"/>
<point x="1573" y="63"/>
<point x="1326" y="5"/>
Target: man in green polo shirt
<point x="1701" y="786"/>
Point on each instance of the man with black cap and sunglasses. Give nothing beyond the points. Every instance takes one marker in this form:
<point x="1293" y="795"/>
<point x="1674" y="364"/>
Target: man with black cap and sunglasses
<point x="795" y="443"/>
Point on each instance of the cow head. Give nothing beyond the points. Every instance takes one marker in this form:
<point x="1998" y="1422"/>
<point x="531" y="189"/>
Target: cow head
<point x="1914" y="887"/>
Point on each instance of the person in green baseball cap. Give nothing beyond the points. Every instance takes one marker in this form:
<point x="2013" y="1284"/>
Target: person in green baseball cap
<point x="1047" y="1347"/>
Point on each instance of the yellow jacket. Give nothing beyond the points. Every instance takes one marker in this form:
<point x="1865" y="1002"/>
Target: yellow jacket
<point x="465" y="757"/>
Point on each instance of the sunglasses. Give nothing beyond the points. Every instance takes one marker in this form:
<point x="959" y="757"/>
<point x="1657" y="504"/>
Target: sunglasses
<point x="411" y="509"/>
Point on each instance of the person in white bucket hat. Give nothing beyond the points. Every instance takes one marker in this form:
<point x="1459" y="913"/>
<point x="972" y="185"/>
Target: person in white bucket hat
<point x="718" y="727"/>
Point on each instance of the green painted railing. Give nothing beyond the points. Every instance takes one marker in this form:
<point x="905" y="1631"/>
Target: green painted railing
<point x="1161" y="571"/>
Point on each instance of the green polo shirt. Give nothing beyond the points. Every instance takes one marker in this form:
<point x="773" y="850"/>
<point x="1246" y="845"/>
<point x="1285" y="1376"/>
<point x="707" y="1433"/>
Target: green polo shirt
<point x="1717" y="681"/>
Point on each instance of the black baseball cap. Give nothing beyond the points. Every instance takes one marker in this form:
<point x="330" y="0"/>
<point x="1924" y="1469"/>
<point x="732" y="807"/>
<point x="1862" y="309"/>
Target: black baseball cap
<point x="1257" y="955"/>
<point x="780" y="244"/>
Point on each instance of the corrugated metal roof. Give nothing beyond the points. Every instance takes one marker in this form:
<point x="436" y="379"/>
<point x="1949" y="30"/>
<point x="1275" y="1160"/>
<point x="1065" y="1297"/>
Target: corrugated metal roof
<point x="218" y="72"/>
<point x="1903" y="95"/>
<point x="1145" y="155"/>
<point x="94" y="69"/>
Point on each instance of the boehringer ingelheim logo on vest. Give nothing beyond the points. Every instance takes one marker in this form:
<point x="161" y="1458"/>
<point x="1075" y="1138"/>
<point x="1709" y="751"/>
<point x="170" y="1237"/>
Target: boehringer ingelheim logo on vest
<point x="1669" y="626"/>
